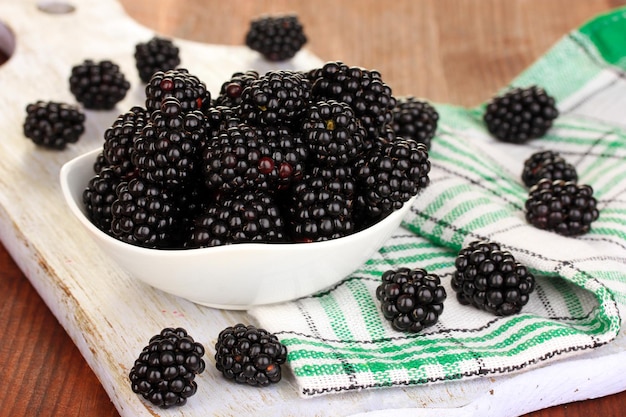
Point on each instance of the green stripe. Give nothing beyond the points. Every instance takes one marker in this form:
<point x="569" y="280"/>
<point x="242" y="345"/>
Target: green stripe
<point x="572" y="302"/>
<point x="369" y="312"/>
<point x="607" y="34"/>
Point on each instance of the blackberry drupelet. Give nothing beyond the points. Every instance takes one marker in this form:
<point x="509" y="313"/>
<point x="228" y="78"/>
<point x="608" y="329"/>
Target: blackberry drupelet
<point x="364" y="90"/>
<point x="490" y="279"/>
<point x="230" y="91"/>
<point x="52" y="124"/>
<point x="547" y="164"/>
<point x="520" y="114"/>
<point x="320" y="206"/>
<point x="98" y="197"/>
<point x="157" y="54"/>
<point x="98" y="85"/>
<point x="119" y="139"/>
<point x="391" y="173"/>
<point x="100" y="163"/>
<point x="561" y="206"/>
<point x="277" y="38"/>
<point x="289" y="155"/>
<point x="145" y="214"/>
<point x="411" y="299"/>
<point x="277" y="98"/>
<point x="179" y="83"/>
<point x="165" y="371"/>
<point x="167" y="149"/>
<point x="249" y="355"/>
<point x="248" y="216"/>
<point x="415" y="119"/>
<point x="334" y="134"/>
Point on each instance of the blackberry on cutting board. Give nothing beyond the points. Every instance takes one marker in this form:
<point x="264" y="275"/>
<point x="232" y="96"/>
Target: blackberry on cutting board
<point x="561" y="206"/>
<point x="230" y="91"/>
<point x="166" y="151"/>
<point x="362" y="89"/>
<point x="520" y="114"/>
<point x="249" y="355"/>
<point x="119" y="138"/>
<point x="157" y="54"/>
<point x="165" y="371"/>
<point x="334" y="135"/>
<point x="490" y="279"/>
<point x="145" y="214"/>
<point x="415" y="119"/>
<point x="278" y="97"/>
<point x="320" y="206"/>
<point x="276" y="38"/>
<point x="98" y="85"/>
<point x="53" y="124"/>
<point x="411" y="299"/>
<point x="179" y="83"/>
<point x="248" y="216"/>
<point x="98" y="197"/>
<point x="547" y="164"/>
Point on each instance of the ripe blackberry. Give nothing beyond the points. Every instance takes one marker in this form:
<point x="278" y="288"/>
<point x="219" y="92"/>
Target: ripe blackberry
<point x="364" y="90"/>
<point x="166" y="150"/>
<point x="98" y="197"/>
<point x="277" y="38"/>
<point x="520" y="114"/>
<point x="490" y="279"/>
<point x="220" y="118"/>
<point x="390" y="175"/>
<point x="100" y="163"/>
<point x="249" y="216"/>
<point x="119" y="139"/>
<point x="333" y="133"/>
<point x="179" y="83"/>
<point x="230" y="91"/>
<point x="320" y="206"/>
<point x="561" y="206"/>
<point x="249" y="355"/>
<point x="157" y="54"/>
<point x="547" y="164"/>
<point x="144" y="214"/>
<point x="238" y="158"/>
<point x="289" y="155"/>
<point x="98" y="85"/>
<point x="53" y="125"/>
<point x="277" y="98"/>
<point x="415" y="119"/>
<point x="166" y="368"/>
<point x="411" y="299"/>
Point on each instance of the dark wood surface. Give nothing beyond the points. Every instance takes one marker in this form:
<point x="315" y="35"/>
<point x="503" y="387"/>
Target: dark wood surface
<point x="453" y="51"/>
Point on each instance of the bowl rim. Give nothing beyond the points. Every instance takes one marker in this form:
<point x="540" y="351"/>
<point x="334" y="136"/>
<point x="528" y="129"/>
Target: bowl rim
<point x="68" y="168"/>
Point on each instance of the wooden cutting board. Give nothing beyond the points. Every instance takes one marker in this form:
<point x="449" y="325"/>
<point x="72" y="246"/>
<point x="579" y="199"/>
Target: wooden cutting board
<point x="110" y="316"/>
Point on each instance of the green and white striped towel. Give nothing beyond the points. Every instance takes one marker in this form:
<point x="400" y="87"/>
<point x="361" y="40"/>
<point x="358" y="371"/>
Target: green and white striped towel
<point x="338" y="339"/>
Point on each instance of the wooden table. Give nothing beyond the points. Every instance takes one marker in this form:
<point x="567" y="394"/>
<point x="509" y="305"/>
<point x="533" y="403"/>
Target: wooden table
<point x="453" y="51"/>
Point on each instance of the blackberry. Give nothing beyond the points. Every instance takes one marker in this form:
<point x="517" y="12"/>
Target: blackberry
<point x="53" y="125"/>
<point x="415" y="119"/>
<point x="165" y="371"/>
<point x="238" y="158"/>
<point x="276" y="38"/>
<point x="157" y="54"/>
<point x="179" y="83"/>
<point x="561" y="206"/>
<point x="251" y="216"/>
<point x="289" y="155"/>
<point x="220" y="118"/>
<point x="119" y="139"/>
<point x="144" y="214"/>
<point x="100" y="163"/>
<point x="390" y="175"/>
<point x="98" y="85"/>
<point x="411" y="299"/>
<point x="490" y="279"/>
<point x="98" y="197"/>
<point x="277" y="98"/>
<point x="334" y="134"/>
<point x="364" y="90"/>
<point x="321" y="205"/>
<point x="230" y="91"/>
<point x="166" y="150"/>
<point x="249" y="355"/>
<point x="547" y="164"/>
<point x="520" y="114"/>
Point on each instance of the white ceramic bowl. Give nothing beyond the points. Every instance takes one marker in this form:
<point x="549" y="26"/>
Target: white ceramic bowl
<point x="235" y="276"/>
